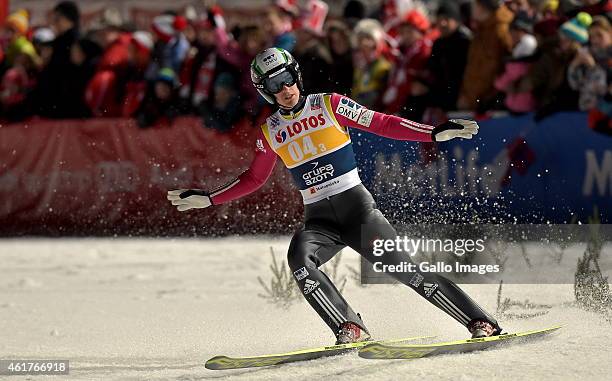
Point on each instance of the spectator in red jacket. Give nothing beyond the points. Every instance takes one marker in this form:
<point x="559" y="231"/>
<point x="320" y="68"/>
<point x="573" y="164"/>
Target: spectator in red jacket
<point x="203" y="64"/>
<point x="119" y="80"/>
<point x="404" y="89"/>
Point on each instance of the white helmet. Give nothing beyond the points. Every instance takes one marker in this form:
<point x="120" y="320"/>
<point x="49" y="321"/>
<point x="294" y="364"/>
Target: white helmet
<point x="272" y="69"/>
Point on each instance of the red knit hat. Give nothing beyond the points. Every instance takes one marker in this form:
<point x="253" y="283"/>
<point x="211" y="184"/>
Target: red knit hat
<point x="180" y="23"/>
<point x="416" y="19"/>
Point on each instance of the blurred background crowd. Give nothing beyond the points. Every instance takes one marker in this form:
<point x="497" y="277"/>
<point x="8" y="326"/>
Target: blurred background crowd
<point x="417" y="59"/>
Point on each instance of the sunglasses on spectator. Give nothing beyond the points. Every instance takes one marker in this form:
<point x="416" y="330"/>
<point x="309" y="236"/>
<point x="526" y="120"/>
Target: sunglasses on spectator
<point x="275" y="84"/>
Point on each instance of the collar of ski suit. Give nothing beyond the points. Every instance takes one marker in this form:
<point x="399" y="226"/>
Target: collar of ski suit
<point x="295" y="111"/>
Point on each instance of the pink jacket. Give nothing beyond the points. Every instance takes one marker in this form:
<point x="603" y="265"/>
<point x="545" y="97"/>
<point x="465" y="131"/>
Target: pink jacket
<point x="517" y="102"/>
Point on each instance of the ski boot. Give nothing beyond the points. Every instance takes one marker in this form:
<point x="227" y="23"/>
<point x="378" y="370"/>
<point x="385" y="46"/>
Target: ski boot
<point x="482" y="328"/>
<point x="351" y="333"/>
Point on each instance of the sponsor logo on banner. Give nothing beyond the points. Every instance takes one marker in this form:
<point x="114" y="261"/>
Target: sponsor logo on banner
<point x="298" y="127"/>
<point x="300" y="273"/>
<point x="310" y="286"/>
<point x="416" y="280"/>
<point x="365" y="119"/>
<point x="349" y="109"/>
<point x="319" y="174"/>
<point x="259" y="146"/>
<point x="429" y="288"/>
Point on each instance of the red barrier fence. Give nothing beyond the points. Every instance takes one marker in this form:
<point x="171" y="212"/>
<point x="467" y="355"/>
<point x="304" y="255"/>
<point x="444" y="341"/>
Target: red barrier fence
<point x="107" y="176"/>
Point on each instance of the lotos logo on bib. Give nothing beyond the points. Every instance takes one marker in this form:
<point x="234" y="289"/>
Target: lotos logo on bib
<point x="296" y="128"/>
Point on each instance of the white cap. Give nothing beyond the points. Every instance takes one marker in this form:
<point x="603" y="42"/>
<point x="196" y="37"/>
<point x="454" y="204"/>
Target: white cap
<point x="526" y="47"/>
<point x="143" y="39"/>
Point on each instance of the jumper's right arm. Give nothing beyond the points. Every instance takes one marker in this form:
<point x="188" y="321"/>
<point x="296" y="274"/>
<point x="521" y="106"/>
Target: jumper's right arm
<point x="248" y="182"/>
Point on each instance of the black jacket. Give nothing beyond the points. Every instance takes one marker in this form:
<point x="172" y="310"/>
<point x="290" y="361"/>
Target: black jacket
<point x="446" y="66"/>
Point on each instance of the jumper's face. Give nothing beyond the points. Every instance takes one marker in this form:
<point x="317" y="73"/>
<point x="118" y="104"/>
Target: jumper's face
<point x="288" y="97"/>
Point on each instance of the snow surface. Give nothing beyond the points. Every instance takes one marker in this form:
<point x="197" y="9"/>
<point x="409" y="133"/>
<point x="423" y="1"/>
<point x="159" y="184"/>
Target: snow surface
<point x="157" y="309"/>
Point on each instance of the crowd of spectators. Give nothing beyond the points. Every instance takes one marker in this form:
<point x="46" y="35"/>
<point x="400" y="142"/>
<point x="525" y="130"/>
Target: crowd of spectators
<point x="410" y="58"/>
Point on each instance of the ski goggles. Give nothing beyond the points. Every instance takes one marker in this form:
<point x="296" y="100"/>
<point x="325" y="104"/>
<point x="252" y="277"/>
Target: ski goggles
<point x="277" y="81"/>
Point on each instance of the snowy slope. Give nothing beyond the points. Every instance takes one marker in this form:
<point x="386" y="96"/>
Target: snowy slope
<point x="157" y="309"/>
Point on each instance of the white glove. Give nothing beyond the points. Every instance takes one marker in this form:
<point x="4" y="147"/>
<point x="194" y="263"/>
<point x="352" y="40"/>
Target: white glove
<point x="185" y="199"/>
<point x="454" y="128"/>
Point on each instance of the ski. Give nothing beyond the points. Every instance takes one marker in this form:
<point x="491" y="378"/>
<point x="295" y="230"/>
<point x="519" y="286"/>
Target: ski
<point x="382" y="350"/>
<point x="225" y="362"/>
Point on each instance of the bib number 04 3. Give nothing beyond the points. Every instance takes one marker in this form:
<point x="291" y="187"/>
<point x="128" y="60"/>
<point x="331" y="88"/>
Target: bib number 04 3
<point x="297" y="151"/>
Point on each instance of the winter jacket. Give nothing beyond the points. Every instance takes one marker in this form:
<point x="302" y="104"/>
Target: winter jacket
<point x="410" y="65"/>
<point x="489" y="48"/>
<point x="516" y="101"/>
<point x="446" y="66"/>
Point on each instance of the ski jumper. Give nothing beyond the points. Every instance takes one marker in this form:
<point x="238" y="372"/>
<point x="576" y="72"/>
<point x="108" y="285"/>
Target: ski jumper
<point x="315" y="145"/>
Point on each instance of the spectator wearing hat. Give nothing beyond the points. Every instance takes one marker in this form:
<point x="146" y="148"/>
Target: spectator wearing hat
<point x="338" y="38"/>
<point x="202" y="65"/>
<point x="279" y="24"/>
<point x="160" y="104"/>
<point x="139" y="59"/>
<point x="84" y="56"/>
<point x="251" y="39"/>
<point x="517" y="100"/>
<point x="23" y="64"/>
<point x="224" y="110"/>
<point x="547" y="79"/>
<point x="585" y="74"/>
<point x="119" y="80"/>
<point x="16" y="28"/>
<point x="171" y="46"/>
<point x="42" y="39"/>
<point x="448" y="58"/>
<point x="489" y="47"/>
<point x="54" y="96"/>
<point x="404" y="93"/>
<point x="371" y="67"/>
<point x="600" y="38"/>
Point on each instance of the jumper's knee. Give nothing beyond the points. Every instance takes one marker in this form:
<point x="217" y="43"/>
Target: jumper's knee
<point x="300" y="253"/>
